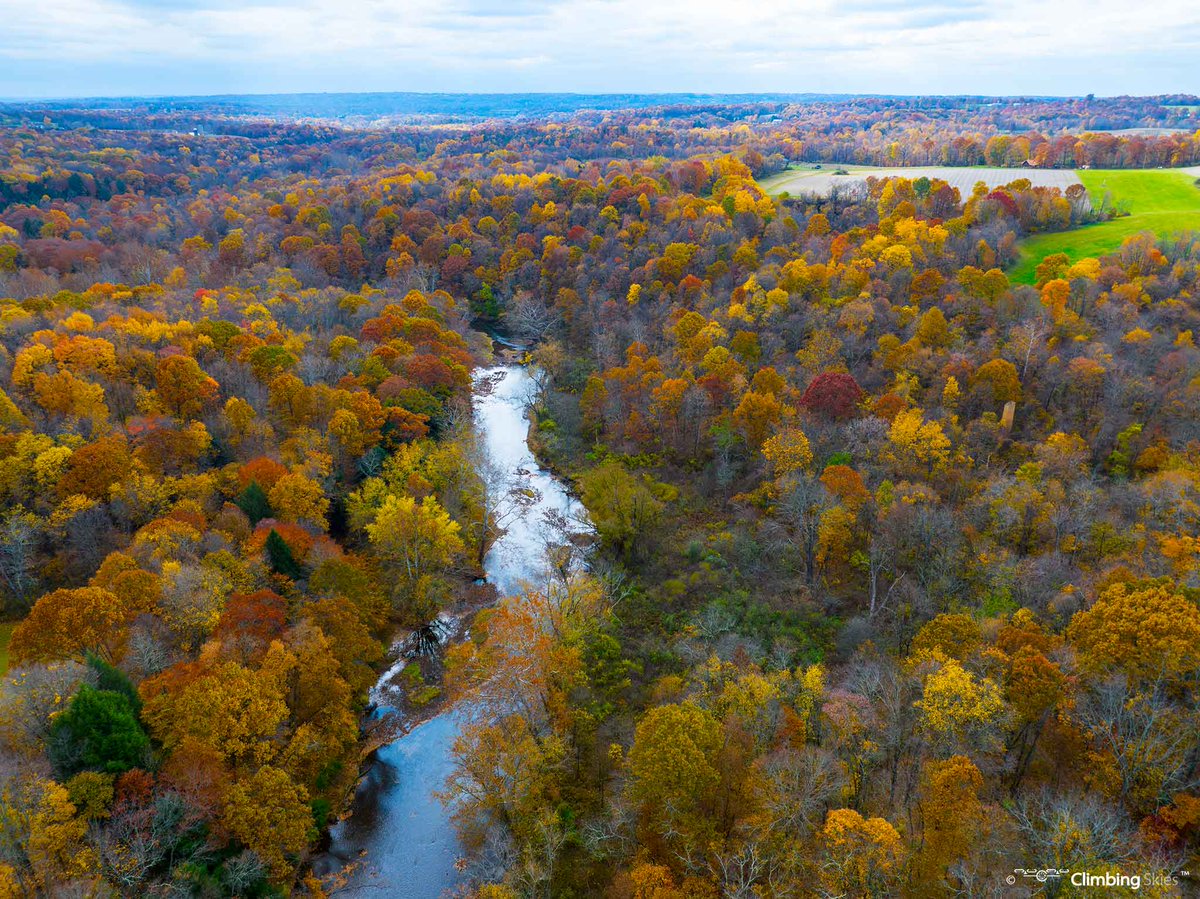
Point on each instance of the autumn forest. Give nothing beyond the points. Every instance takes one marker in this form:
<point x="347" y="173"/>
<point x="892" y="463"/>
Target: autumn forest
<point x="877" y="567"/>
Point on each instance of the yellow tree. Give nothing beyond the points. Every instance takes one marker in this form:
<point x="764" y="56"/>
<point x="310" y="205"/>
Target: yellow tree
<point x="529" y="660"/>
<point x="673" y="768"/>
<point x="861" y="857"/>
<point x="230" y="709"/>
<point x="622" y="506"/>
<point x="650" y="881"/>
<point x="835" y="539"/>
<point x="41" y="835"/>
<point x="319" y="700"/>
<point x="67" y="624"/>
<point x="1001" y="377"/>
<point x="296" y="498"/>
<point x="958" y="707"/>
<point x="919" y="442"/>
<point x="519" y="677"/>
<point x="504" y="776"/>
<point x="755" y="415"/>
<point x="64" y="394"/>
<point x="954" y="635"/>
<point x="269" y="813"/>
<point x="1055" y="295"/>
<point x="1145" y="631"/>
<point x="183" y="387"/>
<point x="418" y="540"/>
<point x="292" y="401"/>
<point x="952" y="815"/>
<point x="788" y="452"/>
<point x="933" y="330"/>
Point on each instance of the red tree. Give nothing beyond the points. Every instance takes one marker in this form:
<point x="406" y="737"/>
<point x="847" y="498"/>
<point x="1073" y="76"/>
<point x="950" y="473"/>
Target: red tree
<point x="833" y="394"/>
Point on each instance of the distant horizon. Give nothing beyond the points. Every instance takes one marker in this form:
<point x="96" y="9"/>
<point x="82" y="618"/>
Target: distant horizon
<point x="767" y="95"/>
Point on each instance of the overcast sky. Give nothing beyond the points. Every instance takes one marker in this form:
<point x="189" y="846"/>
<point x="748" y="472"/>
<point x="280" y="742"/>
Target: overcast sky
<point x="155" y="47"/>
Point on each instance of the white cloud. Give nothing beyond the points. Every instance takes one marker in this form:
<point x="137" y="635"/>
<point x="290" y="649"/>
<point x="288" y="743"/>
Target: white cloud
<point x="1021" y="46"/>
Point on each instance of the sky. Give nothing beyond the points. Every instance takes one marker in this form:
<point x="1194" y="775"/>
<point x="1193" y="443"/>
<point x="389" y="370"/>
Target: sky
<point x="77" y="48"/>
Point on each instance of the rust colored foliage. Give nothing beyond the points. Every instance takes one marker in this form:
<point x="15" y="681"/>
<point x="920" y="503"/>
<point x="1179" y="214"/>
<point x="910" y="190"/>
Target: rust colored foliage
<point x="833" y="394"/>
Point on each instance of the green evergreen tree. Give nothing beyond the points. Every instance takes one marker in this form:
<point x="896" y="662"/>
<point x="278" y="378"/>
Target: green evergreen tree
<point x="98" y="732"/>
<point x="280" y="558"/>
<point x="486" y="304"/>
<point x="253" y="501"/>
<point x="112" y="679"/>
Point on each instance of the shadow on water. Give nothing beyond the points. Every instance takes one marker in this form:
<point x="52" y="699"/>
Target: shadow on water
<point x="407" y="833"/>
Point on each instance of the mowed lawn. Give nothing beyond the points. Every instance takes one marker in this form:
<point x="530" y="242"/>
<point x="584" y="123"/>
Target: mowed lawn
<point x="5" y="635"/>
<point x="1160" y="201"/>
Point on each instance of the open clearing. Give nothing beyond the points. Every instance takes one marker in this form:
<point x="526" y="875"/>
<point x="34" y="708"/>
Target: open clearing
<point x="1143" y="132"/>
<point x="1158" y="200"/>
<point x="807" y="179"/>
<point x="5" y="635"/>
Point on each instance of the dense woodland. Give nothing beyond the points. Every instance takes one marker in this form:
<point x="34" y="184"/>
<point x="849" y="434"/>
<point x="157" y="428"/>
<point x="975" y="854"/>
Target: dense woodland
<point x="897" y="576"/>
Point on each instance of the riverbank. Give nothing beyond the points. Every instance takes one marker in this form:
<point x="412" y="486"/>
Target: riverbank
<point x="397" y="835"/>
<point x="410" y="689"/>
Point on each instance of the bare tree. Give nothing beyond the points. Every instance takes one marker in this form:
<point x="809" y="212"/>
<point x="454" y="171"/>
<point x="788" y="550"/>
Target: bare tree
<point x="1148" y="737"/>
<point x="530" y="319"/>
<point x="803" y="501"/>
<point x="18" y="541"/>
<point x="801" y="786"/>
<point x="1064" y="829"/>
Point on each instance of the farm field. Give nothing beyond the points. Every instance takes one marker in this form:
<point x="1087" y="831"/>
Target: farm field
<point x="808" y="179"/>
<point x="1144" y="132"/>
<point x="1158" y="200"/>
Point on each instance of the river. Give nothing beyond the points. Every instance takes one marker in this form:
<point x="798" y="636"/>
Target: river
<point x="401" y="833"/>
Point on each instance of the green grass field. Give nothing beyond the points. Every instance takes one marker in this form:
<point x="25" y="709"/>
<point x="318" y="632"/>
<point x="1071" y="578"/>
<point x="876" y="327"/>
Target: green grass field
<point x="5" y="635"/>
<point x="1158" y="201"/>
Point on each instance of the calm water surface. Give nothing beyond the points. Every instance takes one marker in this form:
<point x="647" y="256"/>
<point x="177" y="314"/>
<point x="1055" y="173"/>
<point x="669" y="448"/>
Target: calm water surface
<point x="407" y="834"/>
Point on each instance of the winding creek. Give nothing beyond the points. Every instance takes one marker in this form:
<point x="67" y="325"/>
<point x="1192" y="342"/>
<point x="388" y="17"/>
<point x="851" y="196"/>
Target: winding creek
<point x="398" y="829"/>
